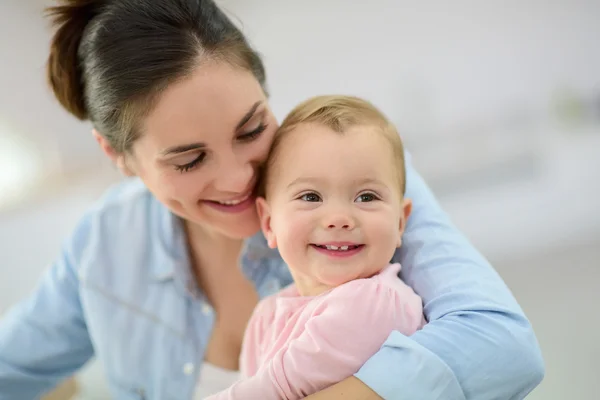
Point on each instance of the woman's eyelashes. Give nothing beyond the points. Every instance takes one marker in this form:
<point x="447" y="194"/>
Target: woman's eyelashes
<point x="245" y="137"/>
<point x="253" y="134"/>
<point x="192" y="164"/>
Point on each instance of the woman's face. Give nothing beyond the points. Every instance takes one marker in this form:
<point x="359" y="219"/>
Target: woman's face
<point x="201" y="148"/>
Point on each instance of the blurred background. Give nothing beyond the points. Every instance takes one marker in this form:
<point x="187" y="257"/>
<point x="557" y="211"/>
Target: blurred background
<point x="497" y="101"/>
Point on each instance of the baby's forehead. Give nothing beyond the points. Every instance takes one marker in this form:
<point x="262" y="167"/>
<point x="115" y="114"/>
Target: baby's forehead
<point x="312" y="136"/>
<point x="316" y="150"/>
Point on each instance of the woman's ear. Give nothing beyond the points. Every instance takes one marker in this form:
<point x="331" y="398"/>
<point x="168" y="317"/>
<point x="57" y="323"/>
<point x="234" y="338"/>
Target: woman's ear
<point x="117" y="158"/>
<point x="264" y="214"/>
<point x="404" y="214"/>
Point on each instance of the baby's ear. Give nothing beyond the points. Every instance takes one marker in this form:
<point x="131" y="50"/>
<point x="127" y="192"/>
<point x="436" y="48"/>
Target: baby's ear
<point x="264" y="214"/>
<point x="404" y="214"/>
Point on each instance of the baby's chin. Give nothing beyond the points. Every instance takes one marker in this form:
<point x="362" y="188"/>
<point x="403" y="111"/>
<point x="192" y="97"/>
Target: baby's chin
<point x="337" y="278"/>
<point x="338" y="275"/>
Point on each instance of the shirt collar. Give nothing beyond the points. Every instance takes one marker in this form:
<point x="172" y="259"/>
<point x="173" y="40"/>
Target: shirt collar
<point x="170" y="249"/>
<point x="170" y="258"/>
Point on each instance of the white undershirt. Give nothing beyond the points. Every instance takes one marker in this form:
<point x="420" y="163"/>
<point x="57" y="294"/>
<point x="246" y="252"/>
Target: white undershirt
<point x="213" y="379"/>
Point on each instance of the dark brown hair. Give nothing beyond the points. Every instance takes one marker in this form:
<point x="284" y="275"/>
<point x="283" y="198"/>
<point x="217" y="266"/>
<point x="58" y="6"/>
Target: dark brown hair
<point x="110" y="59"/>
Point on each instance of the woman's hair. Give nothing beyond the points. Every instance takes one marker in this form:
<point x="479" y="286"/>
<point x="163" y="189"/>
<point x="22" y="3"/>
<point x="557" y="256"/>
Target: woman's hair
<point x="111" y="59"/>
<point x="338" y="113"/>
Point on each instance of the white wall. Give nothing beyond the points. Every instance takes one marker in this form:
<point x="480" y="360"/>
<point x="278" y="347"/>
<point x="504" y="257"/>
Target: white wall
<point x="426" y="63"/>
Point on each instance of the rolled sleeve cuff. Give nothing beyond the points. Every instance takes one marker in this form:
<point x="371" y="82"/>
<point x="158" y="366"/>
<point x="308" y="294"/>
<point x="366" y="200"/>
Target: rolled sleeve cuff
<point x="403" y="369"/>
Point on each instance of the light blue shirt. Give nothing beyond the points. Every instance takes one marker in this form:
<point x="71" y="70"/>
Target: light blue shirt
<point x="122" y="291"/>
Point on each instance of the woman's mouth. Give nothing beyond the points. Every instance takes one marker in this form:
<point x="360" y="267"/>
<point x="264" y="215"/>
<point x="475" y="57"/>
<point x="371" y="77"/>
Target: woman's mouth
<point x="234" y="201"/>
<point x="234" y="205"/>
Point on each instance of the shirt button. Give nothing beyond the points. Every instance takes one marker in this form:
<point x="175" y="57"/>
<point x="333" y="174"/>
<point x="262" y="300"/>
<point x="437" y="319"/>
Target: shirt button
<point x="188" y="368"/>
<point x="206" y="309"/>
<point x="272" y="286"/>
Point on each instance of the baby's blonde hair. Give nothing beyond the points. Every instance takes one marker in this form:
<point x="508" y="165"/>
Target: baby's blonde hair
<point x="339" y="113"/>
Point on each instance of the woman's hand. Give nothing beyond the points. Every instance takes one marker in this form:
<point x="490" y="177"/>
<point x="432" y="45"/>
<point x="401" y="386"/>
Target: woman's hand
<point x="349" y="389"/>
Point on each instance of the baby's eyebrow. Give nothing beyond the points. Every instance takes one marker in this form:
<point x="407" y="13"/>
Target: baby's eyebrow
<point x="304" y="181"/>
<point x="369" y="181"/>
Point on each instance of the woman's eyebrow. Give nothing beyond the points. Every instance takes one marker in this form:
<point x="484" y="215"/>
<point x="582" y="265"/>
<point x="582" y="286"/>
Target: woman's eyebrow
<point x="248" y="115"/>
<point x="183" y="148"/>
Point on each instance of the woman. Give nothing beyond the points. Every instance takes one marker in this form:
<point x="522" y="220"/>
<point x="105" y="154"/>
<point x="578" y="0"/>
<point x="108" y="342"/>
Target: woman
<point x="149" y="281"/>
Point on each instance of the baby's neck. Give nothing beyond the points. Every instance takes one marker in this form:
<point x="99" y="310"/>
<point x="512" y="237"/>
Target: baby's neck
<point x="311" y="290"/>
<point x="308" y="286"/>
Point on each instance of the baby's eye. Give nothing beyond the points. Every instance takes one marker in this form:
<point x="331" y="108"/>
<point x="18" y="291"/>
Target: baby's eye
<point x="310" y="197"/>
<point x="366" y="197"/>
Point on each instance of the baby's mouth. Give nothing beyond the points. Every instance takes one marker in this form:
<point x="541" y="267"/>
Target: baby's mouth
<point x="340" y="248"/>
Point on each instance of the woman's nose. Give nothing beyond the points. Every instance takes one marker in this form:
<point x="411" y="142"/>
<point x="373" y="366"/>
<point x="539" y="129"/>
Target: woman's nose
<point x="234" y="176"/>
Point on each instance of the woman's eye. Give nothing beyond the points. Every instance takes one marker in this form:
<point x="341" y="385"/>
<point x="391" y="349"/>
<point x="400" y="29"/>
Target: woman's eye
<point x="310" y="197"/>
<point x="195" y="162"/>
<point x="366" y="197"/>
<point x="253" y="134"/>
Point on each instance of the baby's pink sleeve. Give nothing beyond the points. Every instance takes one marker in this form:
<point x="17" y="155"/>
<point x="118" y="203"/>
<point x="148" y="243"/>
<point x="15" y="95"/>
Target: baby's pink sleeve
<point x="349" y="326"/>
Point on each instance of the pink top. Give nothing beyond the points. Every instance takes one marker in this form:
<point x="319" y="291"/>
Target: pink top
<point x="296" y="345"/>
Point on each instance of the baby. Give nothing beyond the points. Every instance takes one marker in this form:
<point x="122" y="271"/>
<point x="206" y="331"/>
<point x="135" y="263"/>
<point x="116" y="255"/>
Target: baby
<point x="334" y="207"/>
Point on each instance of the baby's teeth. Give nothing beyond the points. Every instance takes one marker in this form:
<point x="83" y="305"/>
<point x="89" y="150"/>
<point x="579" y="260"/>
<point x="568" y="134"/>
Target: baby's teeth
<point x="340" y="248"/>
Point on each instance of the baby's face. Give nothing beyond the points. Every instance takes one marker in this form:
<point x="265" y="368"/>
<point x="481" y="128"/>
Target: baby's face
<point x="334" y="208"/>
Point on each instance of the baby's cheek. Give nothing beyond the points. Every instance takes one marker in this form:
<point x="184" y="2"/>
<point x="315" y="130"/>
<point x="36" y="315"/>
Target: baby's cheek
<point x="300" y="226"/>
<point x="294" y="233"/>
<point x="385" y="236"/>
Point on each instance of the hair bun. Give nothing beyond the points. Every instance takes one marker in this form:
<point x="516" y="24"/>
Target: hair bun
<point x="70" y="18"/>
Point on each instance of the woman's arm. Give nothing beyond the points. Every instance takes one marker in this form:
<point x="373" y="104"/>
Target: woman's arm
<point x="44" y="339"/>
<point x="350" y="388"/>
<point x="478" y="343"/>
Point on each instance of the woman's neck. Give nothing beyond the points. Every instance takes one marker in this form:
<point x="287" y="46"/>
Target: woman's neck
<point x="212" y="250"/>
<point x="216" y="267"/>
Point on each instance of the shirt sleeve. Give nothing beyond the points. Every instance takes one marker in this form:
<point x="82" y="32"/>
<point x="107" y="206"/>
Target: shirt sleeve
<point x="478" y="343"/>
<point x="334" y="343"/>
<point x="44" y="339"/>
